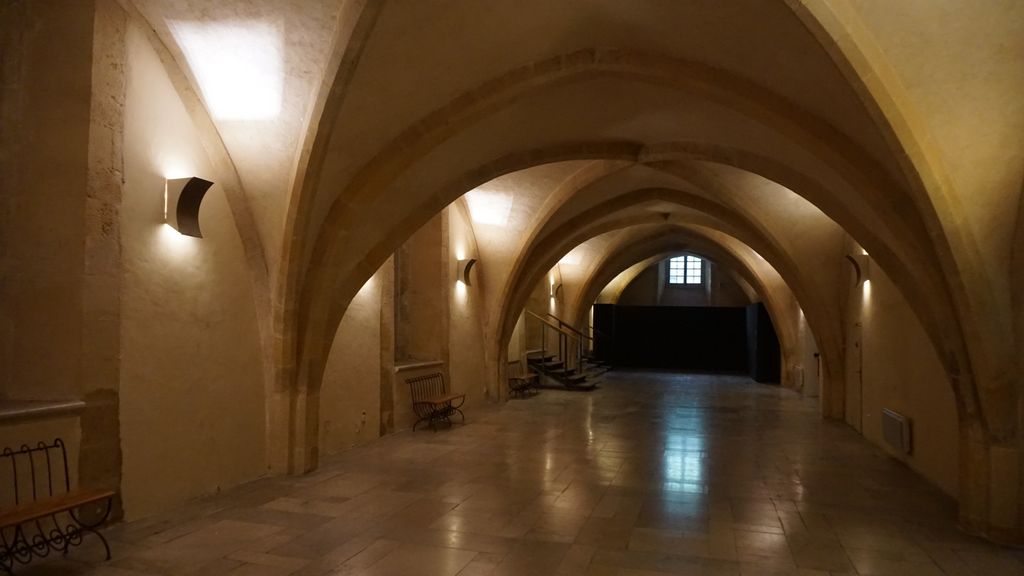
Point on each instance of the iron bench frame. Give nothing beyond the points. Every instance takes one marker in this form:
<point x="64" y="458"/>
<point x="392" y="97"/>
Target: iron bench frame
<point x="46" y="515"/>
<point x="522" y="382"/>
<point x="432" y="402"/>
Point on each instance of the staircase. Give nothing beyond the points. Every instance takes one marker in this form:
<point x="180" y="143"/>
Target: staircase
<point x="565" y="367"/>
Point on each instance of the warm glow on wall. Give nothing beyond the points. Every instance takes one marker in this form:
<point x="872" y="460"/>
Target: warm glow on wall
<point x="461" y="290"/>
<point x="367" y="287"/>
<point x="488" y="206"/>
<point x="238" y="64"/>
<point x="174" y="168"/>
<point x="175" y="245"/>
<point x="574" y="256"/>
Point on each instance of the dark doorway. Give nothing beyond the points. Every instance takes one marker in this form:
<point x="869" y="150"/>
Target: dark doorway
<point x="763" y="352"/>
<point x="738" y="340"/>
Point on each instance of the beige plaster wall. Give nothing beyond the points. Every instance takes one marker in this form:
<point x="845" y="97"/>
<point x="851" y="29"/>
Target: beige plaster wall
<point x="649" y="288"/>
<point x="45" y="118"/>
<point x="192" y="401"/>
<point x="901" y="371"/>
<point x="807" y="380"/>
<point x="467" y="341"/>
<point x="294" y="51"/>
<point x="350" y="393"/>
<point x="542" y="303"/>
<point x="420" y="271"/>
<point x="961" y="72"/>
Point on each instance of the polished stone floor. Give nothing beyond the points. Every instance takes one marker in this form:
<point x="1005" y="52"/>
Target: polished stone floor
<point x="652" y="474"/>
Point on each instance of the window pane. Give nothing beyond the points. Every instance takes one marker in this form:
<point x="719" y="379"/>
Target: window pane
<point x="677" y="270"/>
<point x="694" y="272"/>
<point x="685" y="270"/>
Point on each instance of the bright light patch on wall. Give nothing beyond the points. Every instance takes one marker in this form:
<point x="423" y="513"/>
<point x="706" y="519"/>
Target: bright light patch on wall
<point x="867" y="289"/>
<point x="489" y="206"/>
<point x="175" y="245"/>
<point x="460" y="290"/>
<point x="239" y="65"/>
<point x="574" y="257"/>
<point x="174" y="168"/>
<point x="367" y="287"/>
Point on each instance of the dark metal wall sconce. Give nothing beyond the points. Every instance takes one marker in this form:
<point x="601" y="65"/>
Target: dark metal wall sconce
<point x="182" y="197"/>
<point x="860" y="263"/>
<point x="464" y="267"/>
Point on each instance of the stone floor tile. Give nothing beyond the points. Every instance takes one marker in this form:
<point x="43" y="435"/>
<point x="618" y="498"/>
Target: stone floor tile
<point x="651" y="474"/>
<point x="420" y="560"/>
<point x="889" y="563"/>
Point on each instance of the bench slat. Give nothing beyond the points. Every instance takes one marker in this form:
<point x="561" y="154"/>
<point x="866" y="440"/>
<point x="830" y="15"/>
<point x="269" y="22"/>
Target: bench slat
<point x="440" y="399"/>
<point x="43" y="508"/>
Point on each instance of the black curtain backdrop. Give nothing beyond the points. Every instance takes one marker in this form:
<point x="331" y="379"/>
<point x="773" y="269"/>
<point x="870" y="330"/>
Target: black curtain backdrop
<point x="695" y="339"/>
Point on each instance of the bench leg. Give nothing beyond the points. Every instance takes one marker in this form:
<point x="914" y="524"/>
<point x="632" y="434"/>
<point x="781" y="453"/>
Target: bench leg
<point x="103" y="539"/>
<point x="16" y="547"/>
<point x="436" y="417"/>
<point x="6" y="557"/>
<point x="93" y="527"/>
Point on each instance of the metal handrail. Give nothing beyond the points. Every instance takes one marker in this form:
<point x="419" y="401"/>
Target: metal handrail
<point x="563" y="323"/>
<point x="564" y="346"/>
<point x="552" y="325"/>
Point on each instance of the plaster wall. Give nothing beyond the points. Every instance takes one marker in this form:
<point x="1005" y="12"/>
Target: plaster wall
<point x="192" y="391"/>
<point x="649" y="288"/>
<point x="900" y="370"/>
<point x="467" y="361"/>
<point x="962" y="75"/>
<point x="44" y="137"/>
<point x="350" y="395"/>
<point x="420" y="319"/>
<point x="542" y="303"/>
<point x="516" y="351"/>
<point x="442" y="51"/>
<point x="420" y="304"/>
<point x="807" y="380"/>
<point x="292" y="44"/>
<point x="532" y="191"/>
<point x="433" y="319"/>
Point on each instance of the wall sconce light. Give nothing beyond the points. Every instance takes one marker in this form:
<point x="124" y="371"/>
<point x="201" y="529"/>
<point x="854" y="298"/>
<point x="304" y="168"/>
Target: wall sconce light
<point x="464" y="267"/>
<point x="860" y="263"/>
<point x="555" y="288"/>
<point x="182" y="197"/>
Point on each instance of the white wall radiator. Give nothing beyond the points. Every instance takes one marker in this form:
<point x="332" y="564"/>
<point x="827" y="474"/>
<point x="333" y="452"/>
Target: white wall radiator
<point x="896" y="430"/>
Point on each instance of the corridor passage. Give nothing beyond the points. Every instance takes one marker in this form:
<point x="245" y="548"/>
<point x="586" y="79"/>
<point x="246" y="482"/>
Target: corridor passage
<point x="651" y="474"/>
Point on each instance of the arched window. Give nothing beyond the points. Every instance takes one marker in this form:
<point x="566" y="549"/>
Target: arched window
<point x="686" y="270"/>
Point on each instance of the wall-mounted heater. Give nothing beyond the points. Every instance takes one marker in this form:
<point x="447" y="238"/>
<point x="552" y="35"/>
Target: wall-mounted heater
<point x="896" y="430"/>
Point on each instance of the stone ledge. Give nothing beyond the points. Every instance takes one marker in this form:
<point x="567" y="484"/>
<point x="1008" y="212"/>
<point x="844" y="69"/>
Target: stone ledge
<point x="17" y="410"/>
<point x="417" y="365"/>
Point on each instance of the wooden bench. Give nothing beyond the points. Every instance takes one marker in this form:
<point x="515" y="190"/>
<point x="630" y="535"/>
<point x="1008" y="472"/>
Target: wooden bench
<point x="522" y="382"/>
<point x="433" y="402"/>
<point x="40" y="512"/>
